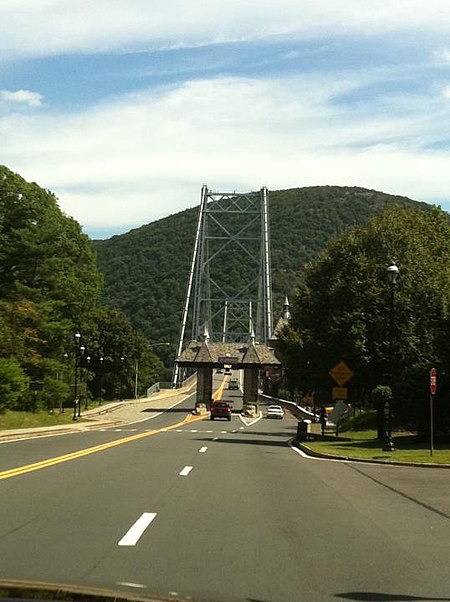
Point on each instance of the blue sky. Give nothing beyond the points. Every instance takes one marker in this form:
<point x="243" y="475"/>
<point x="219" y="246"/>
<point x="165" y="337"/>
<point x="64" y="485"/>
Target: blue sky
<point x="124" y="108"/>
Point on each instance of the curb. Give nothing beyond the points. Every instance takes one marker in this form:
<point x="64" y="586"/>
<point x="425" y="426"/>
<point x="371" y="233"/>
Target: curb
<point x="315" y="454"/>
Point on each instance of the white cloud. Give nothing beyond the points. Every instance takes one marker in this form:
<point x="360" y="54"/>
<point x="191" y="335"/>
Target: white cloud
<point x="20" y="98"/>
<point x="146" y="155"/>
<point x="42" y="27"/>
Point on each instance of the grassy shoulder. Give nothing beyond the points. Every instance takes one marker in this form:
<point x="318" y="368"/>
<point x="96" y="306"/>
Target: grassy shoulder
<point x="364" y="445"/>
<point x="19" y="420"/>
<point x="358" y="440"/>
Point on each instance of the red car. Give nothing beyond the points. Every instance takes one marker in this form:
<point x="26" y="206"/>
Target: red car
<point x="220" y="409"/>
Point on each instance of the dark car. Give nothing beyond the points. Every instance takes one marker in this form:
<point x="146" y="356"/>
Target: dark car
<point x="233" y="384"/>
<point x="220" y="409"/>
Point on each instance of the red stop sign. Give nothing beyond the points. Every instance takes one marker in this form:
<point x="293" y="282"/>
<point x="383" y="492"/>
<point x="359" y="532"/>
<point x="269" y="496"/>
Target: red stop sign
<point x="433" y="380"/>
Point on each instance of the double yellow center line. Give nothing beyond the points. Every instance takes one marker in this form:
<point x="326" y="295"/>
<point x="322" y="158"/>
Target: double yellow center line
<point x="15" y="472"/>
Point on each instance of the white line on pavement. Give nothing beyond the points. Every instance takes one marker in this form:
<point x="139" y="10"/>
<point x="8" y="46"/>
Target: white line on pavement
<point x="306" y="456"/>
<point x="133" y="534"/>
<point x="202" y="450"/>
<point x="193" y="431"/>
<point x="186" y="470"/>
<point x="252" y="421"/>
<point x="129" y="584"/>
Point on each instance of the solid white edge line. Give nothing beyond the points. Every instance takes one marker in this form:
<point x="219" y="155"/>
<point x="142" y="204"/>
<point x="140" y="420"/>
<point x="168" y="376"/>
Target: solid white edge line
<point x="134" y="533"/>
<point x="202" y="450"/>
<point x="186" y="470"/>
<point x="301" y="453"/>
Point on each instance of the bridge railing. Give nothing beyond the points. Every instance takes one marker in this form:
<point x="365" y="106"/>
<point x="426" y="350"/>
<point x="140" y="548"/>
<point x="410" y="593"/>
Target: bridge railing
<point x="168" y="385"/>
<point x="300" y="412"/>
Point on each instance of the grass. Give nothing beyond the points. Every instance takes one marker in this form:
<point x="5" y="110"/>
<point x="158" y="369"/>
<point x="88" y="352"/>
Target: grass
<point x="19" y="420"/>
<point x="364" y="445"/>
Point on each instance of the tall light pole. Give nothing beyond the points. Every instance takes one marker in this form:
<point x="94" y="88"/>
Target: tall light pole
<point x="88" y="361"/>
<point x="81" y="354"/>
<point x="122" y="360"/>
<point x="77" y="351"/>
<point x="101" y="359"/>
<point x="392" y="272"/>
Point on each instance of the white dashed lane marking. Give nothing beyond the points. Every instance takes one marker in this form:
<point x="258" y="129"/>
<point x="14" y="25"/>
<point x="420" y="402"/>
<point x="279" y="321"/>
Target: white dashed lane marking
<point x="186" y="470"/>
<point x="135" y="532"/>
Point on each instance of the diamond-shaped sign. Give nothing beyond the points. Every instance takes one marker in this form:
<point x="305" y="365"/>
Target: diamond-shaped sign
<point x="341" y="373"/>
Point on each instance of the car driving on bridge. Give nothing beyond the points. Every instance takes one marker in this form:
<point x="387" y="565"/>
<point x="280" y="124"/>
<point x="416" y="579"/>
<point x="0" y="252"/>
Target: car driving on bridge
<point x="220" y="409"/>
<point x="233" y="384"/>
<point x="275" y="412"/>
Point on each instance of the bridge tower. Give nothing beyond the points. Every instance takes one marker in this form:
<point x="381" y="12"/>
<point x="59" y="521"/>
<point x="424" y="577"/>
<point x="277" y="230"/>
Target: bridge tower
<point x="229" y="292"/>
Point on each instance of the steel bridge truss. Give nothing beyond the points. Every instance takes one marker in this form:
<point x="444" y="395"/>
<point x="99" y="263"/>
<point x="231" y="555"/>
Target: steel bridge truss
<point x="229" y="294"/>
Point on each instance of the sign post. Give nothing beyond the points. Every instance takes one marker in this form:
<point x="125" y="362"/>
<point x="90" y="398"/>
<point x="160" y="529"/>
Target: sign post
<point x="433" y="387"/>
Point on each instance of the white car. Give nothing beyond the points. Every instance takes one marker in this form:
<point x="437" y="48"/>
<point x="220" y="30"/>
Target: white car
<point x="275" y="412"/>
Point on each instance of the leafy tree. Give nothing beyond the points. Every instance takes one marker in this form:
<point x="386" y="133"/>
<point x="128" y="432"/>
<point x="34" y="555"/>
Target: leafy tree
<point x="342" y="309"/>
<point x="13" y="382"/>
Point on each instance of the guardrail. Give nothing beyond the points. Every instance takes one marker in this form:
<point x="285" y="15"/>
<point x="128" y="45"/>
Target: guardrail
<point x="299" y="411"/>
<point x="168" y="385"/>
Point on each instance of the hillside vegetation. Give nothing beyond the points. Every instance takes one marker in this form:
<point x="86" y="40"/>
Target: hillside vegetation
<point x="50" y="289"/>
<point x="146" y="269"/>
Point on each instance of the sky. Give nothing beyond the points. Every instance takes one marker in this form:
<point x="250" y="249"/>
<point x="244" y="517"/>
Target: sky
<point x="125" y="108"/>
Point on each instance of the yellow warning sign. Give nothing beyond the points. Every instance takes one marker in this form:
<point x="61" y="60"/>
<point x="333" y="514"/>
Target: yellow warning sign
<point x="340" y="393"/>
<point x="341" y="373"/>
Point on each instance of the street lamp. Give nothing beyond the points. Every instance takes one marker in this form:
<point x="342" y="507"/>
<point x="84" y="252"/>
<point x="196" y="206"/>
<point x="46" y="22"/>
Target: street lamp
<point x="101" y="359"/>
<point x="122" y="359"/>
<point x="88" y="361"/>
<point x="392" y="272"/>
<point x="81" y="354"/>
<point x="77" y="350"/>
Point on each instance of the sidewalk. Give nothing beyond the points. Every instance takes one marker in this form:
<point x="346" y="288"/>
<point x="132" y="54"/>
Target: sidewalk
<point x="107" y="415"/>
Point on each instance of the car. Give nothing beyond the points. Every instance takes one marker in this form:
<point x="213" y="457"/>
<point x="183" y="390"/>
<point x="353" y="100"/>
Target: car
<point x="275" y="412"/>
<point x="220" y="409"/>
<point x="233" y="384"/>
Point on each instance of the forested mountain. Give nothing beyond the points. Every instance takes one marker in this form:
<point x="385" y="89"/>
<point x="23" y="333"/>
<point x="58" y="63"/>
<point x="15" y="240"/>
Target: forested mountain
<point x="146" y="269"/>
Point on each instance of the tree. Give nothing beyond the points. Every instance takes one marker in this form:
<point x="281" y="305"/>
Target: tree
<point x="13" y="382"/>
<point x="341" y="311"/>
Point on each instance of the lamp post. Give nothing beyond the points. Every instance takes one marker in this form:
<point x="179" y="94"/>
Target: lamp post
<point x="101" y="359"/>
<point x="392" y="272"/>
<point x="77" y="351"/>
<point x="81" y="354"/>
<point x="122" y="360"/>
<point x="88" y="361"/>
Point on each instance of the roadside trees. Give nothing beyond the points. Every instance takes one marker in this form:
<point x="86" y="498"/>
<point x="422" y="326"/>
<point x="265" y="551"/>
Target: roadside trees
<point x="341" y="310"/>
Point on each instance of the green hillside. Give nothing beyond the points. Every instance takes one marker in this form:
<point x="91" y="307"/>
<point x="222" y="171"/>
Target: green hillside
<point x="146" y="269"/>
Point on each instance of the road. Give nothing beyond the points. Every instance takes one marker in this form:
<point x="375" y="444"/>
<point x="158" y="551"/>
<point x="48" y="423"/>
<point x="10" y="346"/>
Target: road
<point x="220" y="510"/>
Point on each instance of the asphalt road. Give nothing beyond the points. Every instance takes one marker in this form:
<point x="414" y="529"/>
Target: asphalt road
<point x="221" y="511"/>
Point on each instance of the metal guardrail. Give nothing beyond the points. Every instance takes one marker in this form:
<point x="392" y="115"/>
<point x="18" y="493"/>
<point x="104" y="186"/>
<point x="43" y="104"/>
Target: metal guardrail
<point x="299" y="410"/>
<point x="168" y="385"/>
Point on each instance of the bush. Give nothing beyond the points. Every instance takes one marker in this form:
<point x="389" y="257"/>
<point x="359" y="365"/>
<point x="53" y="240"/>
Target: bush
<point x="364" y="421"/>
<point x="13" y="382"/>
